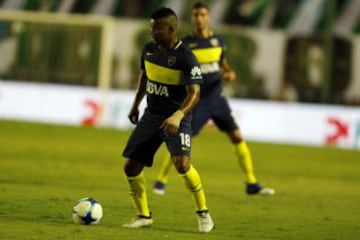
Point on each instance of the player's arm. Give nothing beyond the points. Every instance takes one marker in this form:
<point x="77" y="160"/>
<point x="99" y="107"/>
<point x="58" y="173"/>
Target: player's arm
<point x="227" y="72"/>
<point x="139" y="95"/>
<point x="192" y="98"/>
<point x="171" y="124"/>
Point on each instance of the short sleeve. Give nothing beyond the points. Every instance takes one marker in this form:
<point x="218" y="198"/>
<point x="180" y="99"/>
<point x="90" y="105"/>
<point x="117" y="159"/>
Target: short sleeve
<point x="191" y="69"/>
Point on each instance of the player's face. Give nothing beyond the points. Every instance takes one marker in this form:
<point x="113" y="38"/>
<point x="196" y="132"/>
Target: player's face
<point x="161" y="31"/>
<point x="201" y="18"/>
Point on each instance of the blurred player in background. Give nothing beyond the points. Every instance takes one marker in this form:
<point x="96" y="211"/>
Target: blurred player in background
<point x="209" y="49"/>
<point x="170" y="76"/>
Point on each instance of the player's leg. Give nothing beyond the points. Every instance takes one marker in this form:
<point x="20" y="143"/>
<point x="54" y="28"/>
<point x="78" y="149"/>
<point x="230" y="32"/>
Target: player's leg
<point x="199" y="119"/>
<point x="163" y="175"/>
<point x="139" y="151"/>
<point x="137" y="186"/>
<point x="180" y="147"/>
<point x="243" y="154"/>
<point x="191" y="179"/>
<point x="193" y="183"/>
<point x="244" y="157"/>
<point x="224" y="120"/>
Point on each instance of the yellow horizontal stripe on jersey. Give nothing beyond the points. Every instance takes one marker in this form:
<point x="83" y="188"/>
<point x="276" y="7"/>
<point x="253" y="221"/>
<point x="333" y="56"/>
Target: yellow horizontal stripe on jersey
<point x="162" y="74"/>
<point x="206" y="55"/>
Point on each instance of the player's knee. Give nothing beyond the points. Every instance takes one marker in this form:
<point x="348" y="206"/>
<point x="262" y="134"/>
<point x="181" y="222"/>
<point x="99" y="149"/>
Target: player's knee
<point x="235" y="136"/>
<point x="132" y="168"/>
<point x="182" y="164"/>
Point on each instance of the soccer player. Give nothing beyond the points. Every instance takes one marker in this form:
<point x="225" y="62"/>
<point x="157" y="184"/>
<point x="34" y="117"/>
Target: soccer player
<point x="209" y="48"/>
<point x="170" y="76"/>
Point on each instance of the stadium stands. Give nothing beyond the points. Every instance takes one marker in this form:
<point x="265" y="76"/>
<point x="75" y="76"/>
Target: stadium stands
<point x="299" y="34"/>
<point x="277" y="14"/>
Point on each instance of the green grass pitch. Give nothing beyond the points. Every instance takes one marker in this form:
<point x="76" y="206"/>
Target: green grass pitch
<point x="45" y="169"/>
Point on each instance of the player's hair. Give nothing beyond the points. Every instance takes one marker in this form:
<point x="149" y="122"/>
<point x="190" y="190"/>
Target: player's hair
<point x="163" y="12"/>
<point x="198" y="5"/>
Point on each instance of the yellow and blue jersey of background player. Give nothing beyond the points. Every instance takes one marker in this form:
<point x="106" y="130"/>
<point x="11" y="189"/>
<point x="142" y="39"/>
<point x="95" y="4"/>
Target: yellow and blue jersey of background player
<point x="168" y="71"/>
<point x="209" y="53"/>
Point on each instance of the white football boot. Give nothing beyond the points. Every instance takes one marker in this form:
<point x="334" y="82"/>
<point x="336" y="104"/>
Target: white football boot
<point x="139" y="222"/>
<point x="205" y="222"/>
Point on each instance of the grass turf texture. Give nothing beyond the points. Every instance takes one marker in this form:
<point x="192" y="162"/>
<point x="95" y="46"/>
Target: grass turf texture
<point x="45" y="169"/>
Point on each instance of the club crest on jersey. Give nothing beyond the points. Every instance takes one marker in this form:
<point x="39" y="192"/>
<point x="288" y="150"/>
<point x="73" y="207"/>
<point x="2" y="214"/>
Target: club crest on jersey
<point x="171" y="60"/>
<point x="214" y="42"/>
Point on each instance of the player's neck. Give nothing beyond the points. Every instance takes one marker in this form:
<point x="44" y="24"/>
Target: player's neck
<point x="170" y="45"/>
<point x="203" y="33"/>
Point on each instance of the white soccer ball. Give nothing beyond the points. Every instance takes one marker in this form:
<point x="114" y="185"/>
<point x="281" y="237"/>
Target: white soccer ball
<point x="87" y="211"/>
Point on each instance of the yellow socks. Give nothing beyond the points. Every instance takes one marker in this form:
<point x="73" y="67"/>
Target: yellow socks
<point x="137" y="187"/>
<point x="165" y="169"/>
<point x="193" y="183"/>
<point x="244" y="156"/>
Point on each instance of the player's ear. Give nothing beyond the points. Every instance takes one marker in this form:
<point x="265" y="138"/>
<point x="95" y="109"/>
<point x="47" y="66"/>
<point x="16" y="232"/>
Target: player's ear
<point x="172" y="29"/>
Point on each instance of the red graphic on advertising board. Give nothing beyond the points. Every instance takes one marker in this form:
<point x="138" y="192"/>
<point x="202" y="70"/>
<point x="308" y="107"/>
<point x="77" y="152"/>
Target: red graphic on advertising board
<point x="341" y="131"/>
<point x="94" y="115"/>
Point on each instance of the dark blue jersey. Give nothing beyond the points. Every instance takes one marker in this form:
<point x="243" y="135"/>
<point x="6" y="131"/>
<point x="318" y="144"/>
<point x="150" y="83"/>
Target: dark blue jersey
<point x="209" y="52"/>
<point x="168" y="72"/>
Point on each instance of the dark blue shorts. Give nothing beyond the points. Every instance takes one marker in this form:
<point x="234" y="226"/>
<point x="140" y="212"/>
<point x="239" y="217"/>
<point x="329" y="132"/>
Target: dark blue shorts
<point x="216" y="108"/>
<point x="146" y="139"/>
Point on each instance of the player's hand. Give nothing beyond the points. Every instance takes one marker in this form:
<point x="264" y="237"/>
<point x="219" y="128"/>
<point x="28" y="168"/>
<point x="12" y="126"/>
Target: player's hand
<point x="229" y="76"/>
<point x="134" y="115"/>
<point x="171" y="124"/>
